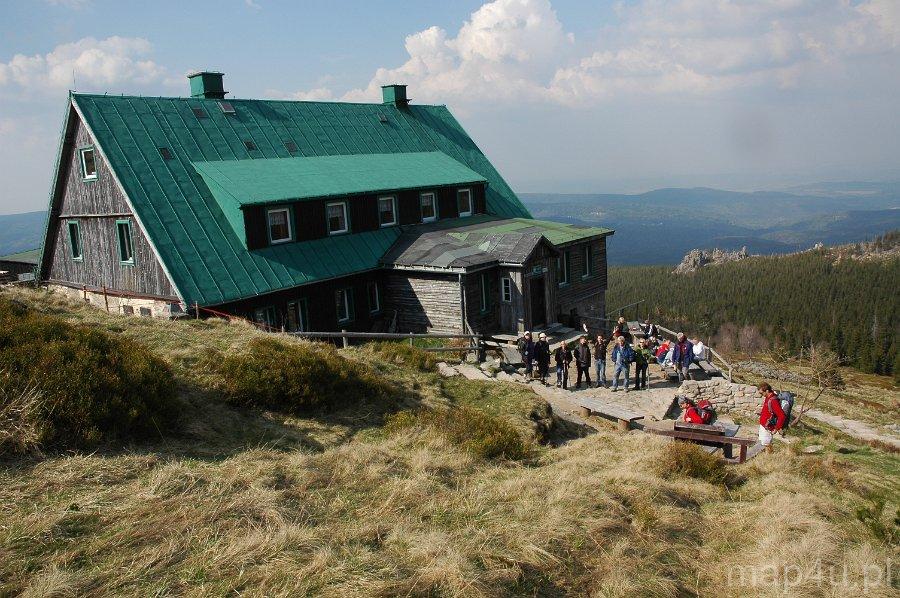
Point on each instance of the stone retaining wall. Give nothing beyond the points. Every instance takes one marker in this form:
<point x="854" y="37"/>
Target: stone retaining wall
<point x="725" y="396"/>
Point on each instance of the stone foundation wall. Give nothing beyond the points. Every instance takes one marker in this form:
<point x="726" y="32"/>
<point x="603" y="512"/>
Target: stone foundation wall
<point x="131" y="306"/>
<point x="725" y="396"/>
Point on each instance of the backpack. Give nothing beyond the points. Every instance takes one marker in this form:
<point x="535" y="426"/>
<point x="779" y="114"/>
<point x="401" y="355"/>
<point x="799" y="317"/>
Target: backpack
<point x="628" y="355"/>
<point x="705" y="410"/>
<point x="786" y="399"/>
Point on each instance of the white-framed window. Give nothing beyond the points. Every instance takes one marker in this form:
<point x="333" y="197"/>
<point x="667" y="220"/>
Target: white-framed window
<point x="336" y="214"/>
<point x="588" y="261"/>
<point x="506" y="289"/>
<point x="126" y="246"/>
<point x="75" y="240"/>
<point x="279" y="220"/>
<point x="562" y="268"/>
<point x="428" y="205"/>
<point x="464" y="202"/>
<point x="297" y="316"/>
<point x="88" y="163"/>
<point x="267" y="316"/>
<point x="374" y="297"/>
<point x="387" y="210"/>
<point x="485" y="292"/>
<point x="343" y="299"/>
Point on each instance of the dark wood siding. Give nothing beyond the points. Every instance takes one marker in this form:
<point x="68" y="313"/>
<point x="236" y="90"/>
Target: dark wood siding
<point x="447" y="206"/>
<point x="363" y="213"/>
<point x="479" y="321"/>
<point x="424" y="302"/>
<point x="309" y="220"/>
<point x="96" y="205"/>
<point x="408" y="208"/>
<point x="479" y="204"/>
<point x="586" y="296"/>
<point x="321" y="303"/>
<point x="255" y="227"/>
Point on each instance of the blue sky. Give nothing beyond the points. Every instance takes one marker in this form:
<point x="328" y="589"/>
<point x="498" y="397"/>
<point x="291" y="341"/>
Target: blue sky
<point x="571" y="96"/>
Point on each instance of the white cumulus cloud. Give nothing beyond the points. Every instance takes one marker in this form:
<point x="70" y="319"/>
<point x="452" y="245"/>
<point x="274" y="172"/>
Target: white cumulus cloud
<point x="515" y="50"/>
<point x="106" y="64"/>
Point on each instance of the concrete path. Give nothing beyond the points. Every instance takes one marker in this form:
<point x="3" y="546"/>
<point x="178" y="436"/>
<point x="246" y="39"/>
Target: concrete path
<point x="854" y="428"/>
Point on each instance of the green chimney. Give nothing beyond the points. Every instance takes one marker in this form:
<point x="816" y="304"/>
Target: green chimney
<point x="207" y="84"/>
<point x="394" y="94"/>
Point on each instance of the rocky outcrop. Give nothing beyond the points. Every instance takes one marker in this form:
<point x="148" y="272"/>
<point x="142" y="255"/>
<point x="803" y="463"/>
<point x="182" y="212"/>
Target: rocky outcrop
<point x="726" y="397"/>
<point x="698" y="258"/>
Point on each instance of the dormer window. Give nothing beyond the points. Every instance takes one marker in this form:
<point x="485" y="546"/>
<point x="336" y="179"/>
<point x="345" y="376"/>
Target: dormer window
<point x="279" y="225"/>
<point x="88" y="164"/>
<point x="464" y="202"/>
<point x="429" y="210"/>
<point x="387" y="210"/>
<point x="337" y="217"/>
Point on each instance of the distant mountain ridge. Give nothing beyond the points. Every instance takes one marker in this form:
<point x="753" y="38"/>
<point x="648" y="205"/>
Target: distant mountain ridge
<point x="661" y="226"/>
<point x="21" y="232"/>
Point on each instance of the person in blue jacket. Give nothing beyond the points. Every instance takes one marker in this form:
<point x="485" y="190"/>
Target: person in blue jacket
<point x="622" y="356"/>
<point x="682" y="357"/>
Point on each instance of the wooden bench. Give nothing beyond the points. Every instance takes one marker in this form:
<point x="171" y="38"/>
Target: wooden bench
<point x="623" y="417"/>
<point x="708" y="435"/>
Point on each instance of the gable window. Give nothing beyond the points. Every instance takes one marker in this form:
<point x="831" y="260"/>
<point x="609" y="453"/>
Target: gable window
<point x="337" y="217"/>
<point x="485" y="293"/>
<point x="464" y="202"/>
<point x="344" y="303"/>
<point x="297" y="316"/>
<point x="75" y="240"/>
<point x="374" y="298"/>
<point x="279" y="225"/>
<point x="562" y="268"/>
<point x="429" y="210"/>
<point x="88" y="164"/>
<point x="506" y="289"/>
<point x="387" y="210"/>
<point x="588" y="261"/>
<point x="126" y="246"/>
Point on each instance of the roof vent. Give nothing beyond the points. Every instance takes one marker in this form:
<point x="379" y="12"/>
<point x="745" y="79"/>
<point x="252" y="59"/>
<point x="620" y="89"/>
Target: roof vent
<point x="382" y="118"/>
<point x="394" y="94"/>
<point x="207" y="85"/>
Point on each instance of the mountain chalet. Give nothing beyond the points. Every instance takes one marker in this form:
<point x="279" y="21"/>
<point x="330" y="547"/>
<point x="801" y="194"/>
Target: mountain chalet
<point x="306" y="216"/>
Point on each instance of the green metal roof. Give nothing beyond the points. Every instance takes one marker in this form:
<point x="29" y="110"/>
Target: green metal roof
<point x="197" y="239"/>
<point x="556" y="232"/>
<point x="32" y="256"/>
<point x="247" y="182"/>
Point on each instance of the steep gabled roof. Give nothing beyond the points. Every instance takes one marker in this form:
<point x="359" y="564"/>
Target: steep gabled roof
<point x="195" y="237"/>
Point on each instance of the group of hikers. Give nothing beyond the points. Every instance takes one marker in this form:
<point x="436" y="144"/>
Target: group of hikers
<point x="590" y="355"/>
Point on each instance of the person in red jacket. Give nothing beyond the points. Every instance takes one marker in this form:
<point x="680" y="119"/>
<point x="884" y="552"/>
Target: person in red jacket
<point x="771" y="418"/>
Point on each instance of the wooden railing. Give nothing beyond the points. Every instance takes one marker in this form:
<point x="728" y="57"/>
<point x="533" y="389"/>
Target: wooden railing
<point x="712" y="351"/>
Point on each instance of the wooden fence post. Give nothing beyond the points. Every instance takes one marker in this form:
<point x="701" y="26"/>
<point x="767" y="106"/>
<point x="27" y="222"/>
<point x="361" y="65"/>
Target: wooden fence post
<point x="410" y="339"/>
<point x="196" y="310"/>
<point x="344" y="338"/>
<point x="105" y="299"/>
<point x="480" y="348"/>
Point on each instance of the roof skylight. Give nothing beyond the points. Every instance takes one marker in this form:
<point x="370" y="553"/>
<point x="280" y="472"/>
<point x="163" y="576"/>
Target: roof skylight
<point x="227" y="107"/>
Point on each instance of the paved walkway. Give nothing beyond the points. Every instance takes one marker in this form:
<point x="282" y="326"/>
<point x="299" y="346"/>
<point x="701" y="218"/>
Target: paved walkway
<point x="854" y="428"/>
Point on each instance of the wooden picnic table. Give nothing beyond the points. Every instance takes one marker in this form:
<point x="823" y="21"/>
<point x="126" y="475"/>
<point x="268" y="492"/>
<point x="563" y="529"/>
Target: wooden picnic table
<point x="706" y="434"/>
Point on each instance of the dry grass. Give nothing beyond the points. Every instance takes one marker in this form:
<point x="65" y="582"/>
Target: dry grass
<point x="19" y="432"/>
<point x="266" y="504"/>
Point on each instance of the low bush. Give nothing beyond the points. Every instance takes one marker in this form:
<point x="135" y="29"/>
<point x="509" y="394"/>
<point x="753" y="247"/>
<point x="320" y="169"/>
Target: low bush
<point x="70" y="386"/>
<point x="483" y="435"/>
<point x="292" y="377"/>
<point x="400" y="353"/>
<point x="690" y="460"/>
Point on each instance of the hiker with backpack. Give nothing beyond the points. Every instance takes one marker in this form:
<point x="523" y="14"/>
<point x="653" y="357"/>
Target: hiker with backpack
<point x="700" y="412"/>
<point x="682" y="357"/>
<point x="772" y="416"/>
<point x="622" y="356"/>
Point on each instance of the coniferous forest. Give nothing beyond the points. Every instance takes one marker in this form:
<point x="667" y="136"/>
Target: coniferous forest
<point x="788" y="301"/>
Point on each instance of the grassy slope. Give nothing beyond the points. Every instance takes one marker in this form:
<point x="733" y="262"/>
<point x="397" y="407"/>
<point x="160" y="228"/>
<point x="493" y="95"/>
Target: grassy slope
<point x="260" y="503"/>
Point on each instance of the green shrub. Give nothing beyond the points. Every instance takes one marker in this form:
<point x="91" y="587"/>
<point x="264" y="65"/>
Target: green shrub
<point x="400" y="353"/>
<point x="294" y="378"/>
<point x="688" y="459"/>
<point x="84" y="386"/>
<point x="483" y="435"/>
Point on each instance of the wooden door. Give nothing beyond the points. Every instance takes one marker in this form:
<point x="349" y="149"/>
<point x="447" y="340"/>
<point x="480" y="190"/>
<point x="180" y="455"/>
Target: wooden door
<point x="538" y="302"/>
